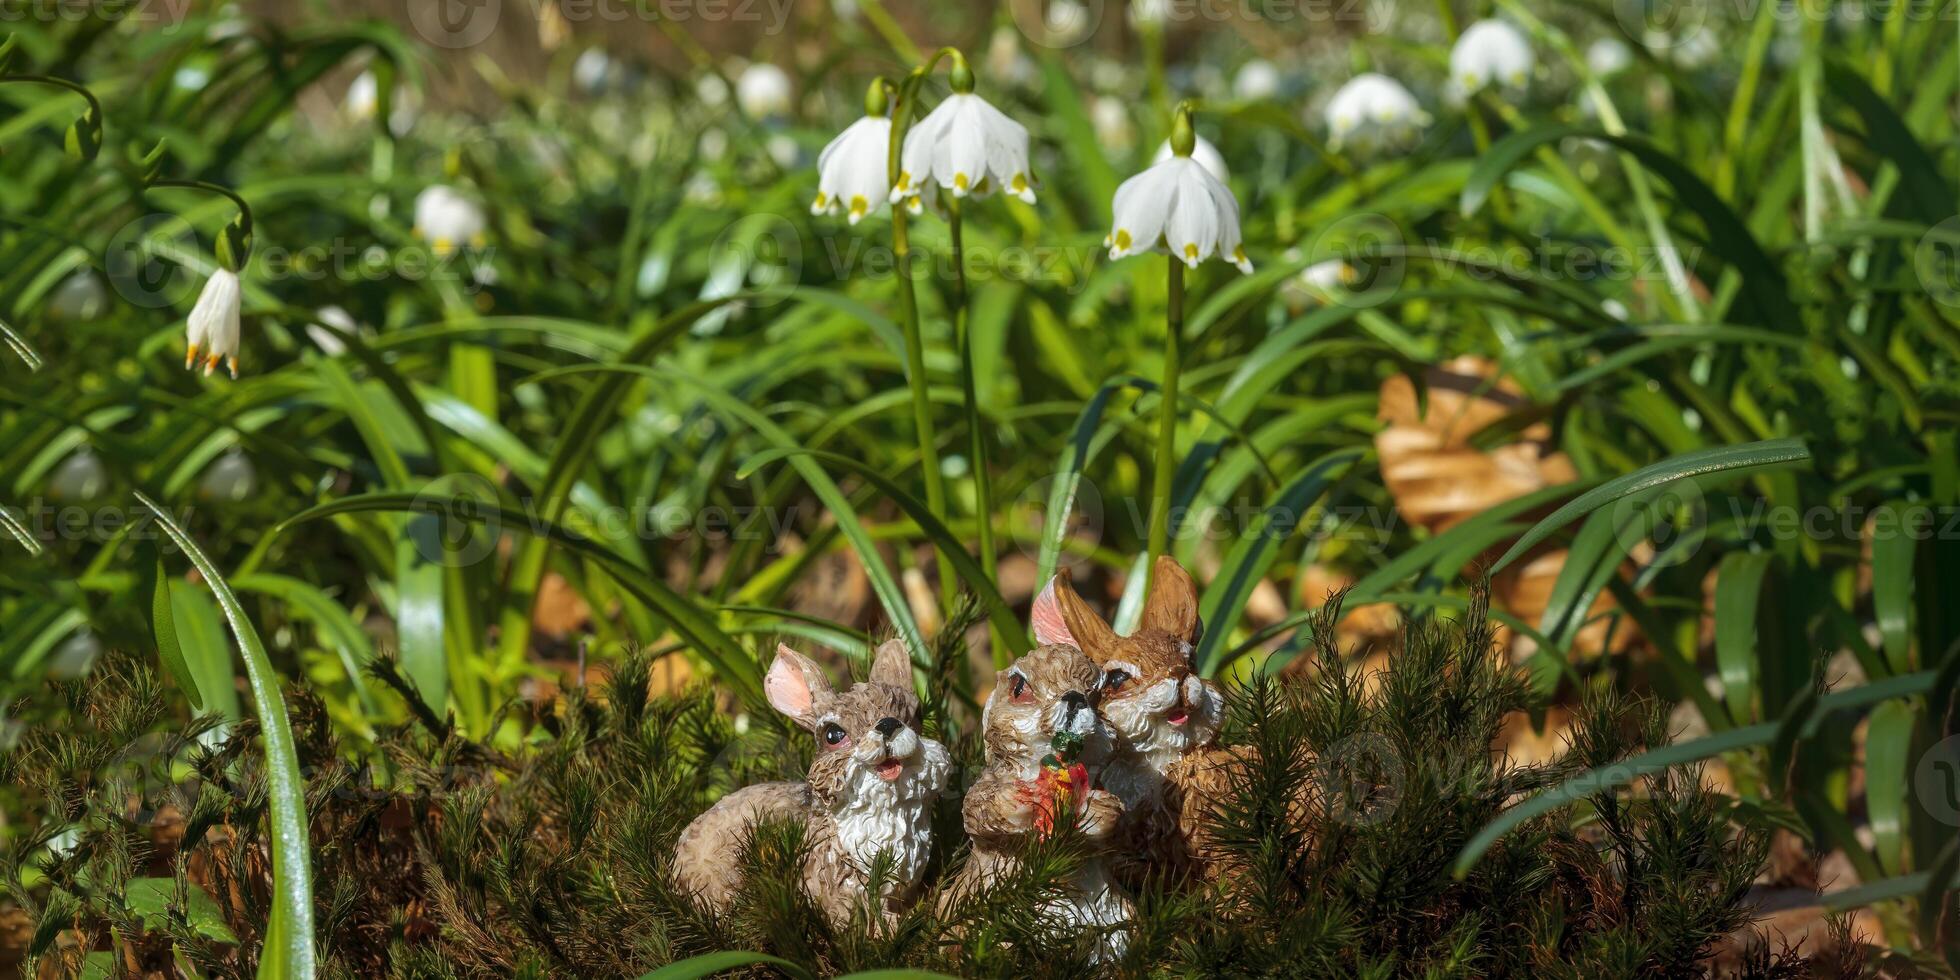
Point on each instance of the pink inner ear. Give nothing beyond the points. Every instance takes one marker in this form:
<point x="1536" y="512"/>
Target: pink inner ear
<point x="1045" y="618"/>
<point x="788" y="690"/>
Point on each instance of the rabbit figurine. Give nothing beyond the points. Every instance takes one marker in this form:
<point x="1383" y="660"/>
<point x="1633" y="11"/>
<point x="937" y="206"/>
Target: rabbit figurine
<point x="871" y="788"/>
<point x="1167" y="766"/>
<point x="1043" y="740"/>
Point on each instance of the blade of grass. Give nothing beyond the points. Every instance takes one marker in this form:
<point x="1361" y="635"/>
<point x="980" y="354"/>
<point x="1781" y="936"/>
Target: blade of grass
<point x="288" y="950"/>
<point x="21" y="348"/>
<point x="1774" y="452"/>
<point x="1738" y="593"/>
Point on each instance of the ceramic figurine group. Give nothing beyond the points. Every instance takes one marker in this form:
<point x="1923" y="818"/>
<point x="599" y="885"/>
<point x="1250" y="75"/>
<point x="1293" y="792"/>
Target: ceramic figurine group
<point x="1115" y="734"/>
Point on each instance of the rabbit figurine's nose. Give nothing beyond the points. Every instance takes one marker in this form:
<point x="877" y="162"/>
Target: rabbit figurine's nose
<point x="1076" y="703"/>
<point x="887" y="727"/>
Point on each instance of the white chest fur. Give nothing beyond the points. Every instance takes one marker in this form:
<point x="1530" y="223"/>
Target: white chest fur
<point x="875" y="824"/>
<point x="893" y="817"/>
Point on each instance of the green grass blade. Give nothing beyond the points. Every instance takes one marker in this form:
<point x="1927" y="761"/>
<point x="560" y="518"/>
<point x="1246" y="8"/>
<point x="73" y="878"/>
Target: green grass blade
<point x="1083" y="441"/>
<point x="1738" y="593"/>
<point x="1774" y="452"/>
<point x="18" y="531"/>
<point x="1888" y="780"/>
<point x="292" y="876"/>
<point x="21" y="348"/>
<point x="1893" y="551"/>
<point x="709" y="964"/>
<point x="164" y="624"/>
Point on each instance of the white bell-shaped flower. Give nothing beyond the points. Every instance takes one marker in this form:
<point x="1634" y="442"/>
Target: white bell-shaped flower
<point x="1490" y="52"/>
<point x="447" y="219"/>
<point x="212" y="327"/>
<point x="1608" y="56"/>
<point x="363" y="94"/>
<point x="966" y="146"/>
<point x="853" y="176"/>
<point x="1257" y="79"/>
<point x="763" y="90"/>
<point x="1373" y="110"/>
<point x="1202" y="151"/>
<point x="1111" y="121"/>
<point x="1180" y="207"/>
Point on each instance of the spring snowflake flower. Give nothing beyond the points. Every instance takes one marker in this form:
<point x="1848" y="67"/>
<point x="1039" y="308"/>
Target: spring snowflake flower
<point x="363" y="94"/>
<point x="1490" y="52"/>
<point x="763" y="91"/>
<point x="1206" y="154"/>
<point x="853" y="176"/>
<point x="1111" y="121"/>
<point x="447" y="219"/>
<point x="967" y="146"/>
<point x="1257" y="79"/>
<point x="1608" y="56"/>
<point x="213" y="324"/>
<point x="1180" y="206"/>
<point x="1373" y="109"/>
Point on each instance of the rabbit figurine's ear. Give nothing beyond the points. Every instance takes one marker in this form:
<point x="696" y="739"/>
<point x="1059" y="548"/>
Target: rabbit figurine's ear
<point x="1045" y="619"/>
<point x="1090" y="633"/>
<point x="1172" y="605"/>
<point x="892" y="666"/>
<point x="795" y="686"/>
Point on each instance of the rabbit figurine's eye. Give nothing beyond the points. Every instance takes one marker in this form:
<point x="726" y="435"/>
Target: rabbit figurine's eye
<point x="833" y="735"/>
<point x="1116" y="680"/>
<point x="1017" y="689"/>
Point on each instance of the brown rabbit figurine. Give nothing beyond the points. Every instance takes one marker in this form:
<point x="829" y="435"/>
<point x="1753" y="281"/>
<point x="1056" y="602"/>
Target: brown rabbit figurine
<point x="1043" y="740"/>
<point x="871" y="788"/>
<point x="1167" y="766"/>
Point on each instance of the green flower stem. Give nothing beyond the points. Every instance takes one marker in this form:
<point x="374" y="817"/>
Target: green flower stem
<point x="1160" y="484"/>
<point x="235" y="243"/>
<point x="908" y="308"/>
<point x="976" y="436"/>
